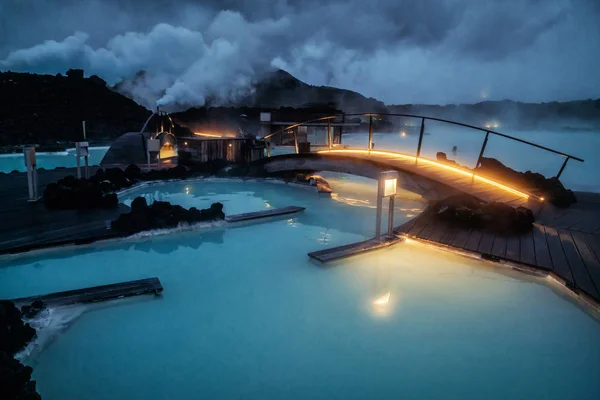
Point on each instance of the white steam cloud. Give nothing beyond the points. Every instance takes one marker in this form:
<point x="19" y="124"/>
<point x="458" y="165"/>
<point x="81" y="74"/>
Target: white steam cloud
<point x="439" y="51"/>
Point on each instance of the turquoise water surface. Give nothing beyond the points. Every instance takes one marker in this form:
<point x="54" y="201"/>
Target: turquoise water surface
<point x="245" y="314"/>
<point x="11" y="162"/>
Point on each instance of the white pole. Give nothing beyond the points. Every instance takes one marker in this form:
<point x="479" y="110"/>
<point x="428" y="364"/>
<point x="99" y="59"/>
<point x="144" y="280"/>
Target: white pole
<point x="77" y="147"/>
<point x="380" y="184"/>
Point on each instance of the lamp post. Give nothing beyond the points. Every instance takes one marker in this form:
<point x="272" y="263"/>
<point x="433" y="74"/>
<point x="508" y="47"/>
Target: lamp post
<point x="31" y="164"/>
<point x="153" y="147"/>
<point x="386" y="187"/>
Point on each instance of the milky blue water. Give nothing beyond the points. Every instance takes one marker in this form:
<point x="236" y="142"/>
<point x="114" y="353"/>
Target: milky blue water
<point x="442" y="137"/>
<point x="245" y="314"/>
<point x="11" y="162"/>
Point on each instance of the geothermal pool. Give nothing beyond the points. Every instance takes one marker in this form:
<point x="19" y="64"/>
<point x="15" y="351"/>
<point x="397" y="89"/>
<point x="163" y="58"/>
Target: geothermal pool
<point x="245" y="314"/>
<point x="11" y="162"/>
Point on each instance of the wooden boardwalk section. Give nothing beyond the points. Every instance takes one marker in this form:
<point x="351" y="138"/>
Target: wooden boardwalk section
<point x="25" y="226"/>
<point x="553" y="246"/>
<point x="353" y="249"/>
<point x="442" y="176"/>
<point x="97" y="293"/>
<point x="263" y="214"/>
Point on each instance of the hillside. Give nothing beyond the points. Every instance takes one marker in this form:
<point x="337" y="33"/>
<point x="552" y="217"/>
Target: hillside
<point x="576" y="115"/>
<point x="281" y="89"/>
<point x="44" y="109"/>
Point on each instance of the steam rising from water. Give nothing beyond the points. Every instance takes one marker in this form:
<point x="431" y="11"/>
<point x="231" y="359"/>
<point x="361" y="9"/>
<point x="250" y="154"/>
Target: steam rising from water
<point x="439" y="51"/>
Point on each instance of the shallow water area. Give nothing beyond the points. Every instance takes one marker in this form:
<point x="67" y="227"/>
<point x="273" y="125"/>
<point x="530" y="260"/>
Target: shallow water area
<point x="67" y="159"/>
<point x="245" y="314"/>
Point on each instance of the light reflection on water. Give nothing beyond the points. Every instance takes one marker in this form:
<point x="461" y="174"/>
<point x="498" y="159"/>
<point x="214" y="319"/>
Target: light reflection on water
<point x="245" y="313"/>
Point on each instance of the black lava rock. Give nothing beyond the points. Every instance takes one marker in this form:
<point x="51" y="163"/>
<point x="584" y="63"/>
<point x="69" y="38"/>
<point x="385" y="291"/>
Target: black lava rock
<point x="15" y="380"/>
<point x="162" y="214"/>
<point x="550" y="188"/>
<point x="14" y="334"/>
<point x="33" y="309"/>
<point x="468" y="212"/>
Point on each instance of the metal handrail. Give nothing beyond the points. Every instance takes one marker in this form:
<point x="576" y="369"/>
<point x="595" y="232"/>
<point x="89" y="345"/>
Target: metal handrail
<point x="423" y="118"/>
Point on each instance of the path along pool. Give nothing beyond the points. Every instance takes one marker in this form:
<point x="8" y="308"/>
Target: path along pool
<point x="66" y="159"/>
<point x="245" y="314"/>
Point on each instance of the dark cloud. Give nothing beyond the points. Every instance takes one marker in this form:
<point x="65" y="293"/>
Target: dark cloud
<point x="434" y="51"/>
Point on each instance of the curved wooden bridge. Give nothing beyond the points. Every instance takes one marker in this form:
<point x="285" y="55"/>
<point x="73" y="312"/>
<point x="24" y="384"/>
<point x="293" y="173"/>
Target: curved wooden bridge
<point x="564" y="243"/>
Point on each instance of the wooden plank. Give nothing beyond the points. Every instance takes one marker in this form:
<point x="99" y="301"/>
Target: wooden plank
<point x="499" y="247"/>
<point x="97" y="293"/>
<point x="424" y="234"/>
<point x="353" y="249"/>
<point x="422" y="221"/>
<point x="580" y="273"/>
<point x="486" y="243"/>
<point x="593" y="242"/>
<point x="405" y="227"/>
<point x="438" y="232"/>
<point x="559" y="259"/>
<point x="513" y="248"/>
<point x="472" y="242"/>
<point x="461" y="238"/>
<point x="263" y="214"/>
<point x="592" y="263"/>
<point x="527" y="249"/>
<point x="450" y="235"/>
<point x="542" y="252"/>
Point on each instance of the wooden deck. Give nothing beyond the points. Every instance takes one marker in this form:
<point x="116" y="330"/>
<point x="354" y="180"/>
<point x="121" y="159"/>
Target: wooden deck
<point x="571" y="255"/>
<point x="28" y="226"/>
<point x="353" y="249"/>
<point x="97" y="293"/>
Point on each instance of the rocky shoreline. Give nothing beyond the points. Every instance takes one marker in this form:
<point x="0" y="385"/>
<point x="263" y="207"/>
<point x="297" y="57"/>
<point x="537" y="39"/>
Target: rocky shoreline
<point x="163" y="215"/>
<point x="15" y="334"/>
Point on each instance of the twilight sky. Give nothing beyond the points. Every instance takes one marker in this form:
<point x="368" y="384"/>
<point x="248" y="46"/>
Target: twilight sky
<point x="398" y="51"/>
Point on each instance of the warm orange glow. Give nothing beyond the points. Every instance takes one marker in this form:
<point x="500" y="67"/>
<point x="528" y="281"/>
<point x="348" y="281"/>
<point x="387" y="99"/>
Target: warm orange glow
<point x="207" y="134"/>
<point x="383" y="300"/>
<point x="431" y="162"/>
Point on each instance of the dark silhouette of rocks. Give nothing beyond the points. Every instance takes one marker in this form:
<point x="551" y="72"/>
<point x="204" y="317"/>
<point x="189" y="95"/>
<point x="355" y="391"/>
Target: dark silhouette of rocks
<point x="549" y="188"/>
<point x="15" y="378"/>
<point x="467" y="212"/>
<point x="98" y="191"/>
<point x="14" y="334"/>
<point x="163" y="215"/>
<point x="32" y="310"/>
<point x="46" y="109"/>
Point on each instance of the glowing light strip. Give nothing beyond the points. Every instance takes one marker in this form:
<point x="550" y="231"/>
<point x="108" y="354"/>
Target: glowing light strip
<point x="206" y="134"/>
<point x="434" y="163"/>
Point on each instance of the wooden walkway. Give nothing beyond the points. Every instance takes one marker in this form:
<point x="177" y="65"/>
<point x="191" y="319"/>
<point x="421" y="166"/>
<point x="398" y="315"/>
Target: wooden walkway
<point x="28" y="226"/>
<point x="457" y="178"/>
<point x="571" y="255"/>
<point x="97" y="293"/>
<point x="263" y="214"/>
<point x="446" y="178"/>
<point x="353" y="249"/>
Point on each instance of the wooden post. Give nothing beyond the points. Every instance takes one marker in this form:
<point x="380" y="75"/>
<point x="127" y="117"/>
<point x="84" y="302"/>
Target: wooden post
<point x="420" y="140"/>
<point x="370" y="132"/>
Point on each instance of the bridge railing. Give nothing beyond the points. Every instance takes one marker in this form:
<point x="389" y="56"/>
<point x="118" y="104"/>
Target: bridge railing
<point x="423" y="119"/>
